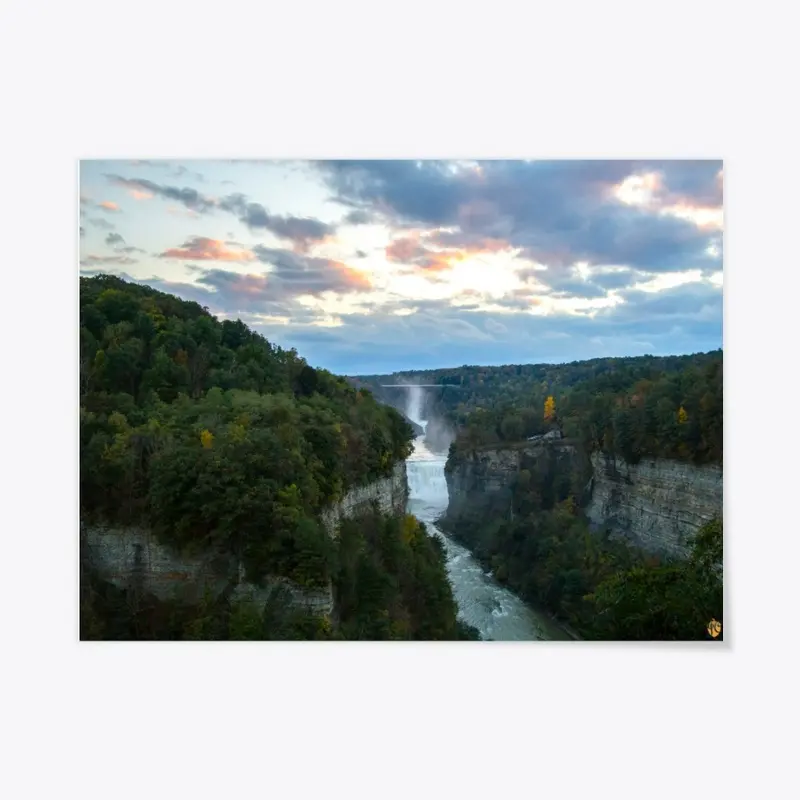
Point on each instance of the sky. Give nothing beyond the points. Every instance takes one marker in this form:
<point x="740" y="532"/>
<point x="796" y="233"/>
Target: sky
<point x="370" y="267"/>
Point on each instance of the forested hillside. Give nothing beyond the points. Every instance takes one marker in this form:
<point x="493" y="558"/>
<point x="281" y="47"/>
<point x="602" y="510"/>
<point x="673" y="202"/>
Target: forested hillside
<point x="216" y="438"/>
<point x="661" y="406"/>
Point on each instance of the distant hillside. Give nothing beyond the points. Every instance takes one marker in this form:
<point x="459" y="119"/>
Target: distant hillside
<point x="648" y="405"/>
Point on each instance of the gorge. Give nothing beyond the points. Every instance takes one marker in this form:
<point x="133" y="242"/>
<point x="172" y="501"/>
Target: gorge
<point x="495" y="611"/>
<point x="223" y="479"/>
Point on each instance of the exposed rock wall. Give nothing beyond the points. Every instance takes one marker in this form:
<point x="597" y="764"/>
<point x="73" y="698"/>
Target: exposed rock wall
<point x="485" y="479"/>
<point x="389" y="493"/>
<point x="131" y="556"/>
<point x="657" y="504"/>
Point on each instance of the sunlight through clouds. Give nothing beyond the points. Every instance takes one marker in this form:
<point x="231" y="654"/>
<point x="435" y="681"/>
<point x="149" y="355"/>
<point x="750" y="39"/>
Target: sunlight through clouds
<point x="456" y="252"/>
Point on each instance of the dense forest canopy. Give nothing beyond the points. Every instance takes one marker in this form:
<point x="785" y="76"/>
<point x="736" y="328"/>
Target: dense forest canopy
<point x="667" y="406"/>
<point x="215" y="437"/>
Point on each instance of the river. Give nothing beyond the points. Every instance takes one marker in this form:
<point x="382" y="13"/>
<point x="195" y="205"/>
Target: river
<point x="496" y="612"/>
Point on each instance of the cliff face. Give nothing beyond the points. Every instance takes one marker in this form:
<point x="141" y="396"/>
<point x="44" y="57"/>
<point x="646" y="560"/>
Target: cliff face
<point x="389" y="493"/>
<point x="657" y="503"/>
<point x="484" y="480"/>
<point x="131" y="556"/>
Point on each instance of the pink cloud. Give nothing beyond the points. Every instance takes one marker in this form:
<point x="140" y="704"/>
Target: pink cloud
<point x="201" y="248"/>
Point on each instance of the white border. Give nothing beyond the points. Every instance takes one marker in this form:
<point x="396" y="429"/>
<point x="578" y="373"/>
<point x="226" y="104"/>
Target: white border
<point x="155" y="79"/>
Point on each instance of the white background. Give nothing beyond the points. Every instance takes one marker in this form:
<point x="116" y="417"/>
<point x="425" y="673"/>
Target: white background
<point x="347" y="79"/>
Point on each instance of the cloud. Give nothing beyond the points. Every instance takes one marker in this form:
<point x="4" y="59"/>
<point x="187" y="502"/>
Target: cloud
<point x="303" y="231"/>
<point x="181" y="170"/>
<point x="358" y="217"/>
<point x="694" y="301"/>
<point x="109" y="206"/>
<point x="107" y="260"/>
<point x="83" y="230"/>
<point x="296" y="274"/>
<point x="554" y="212"/>
<point x="188" y="197"/>
<point x="201" y="248"/>
<point x="145" y="162"/>
<point x="279" y="293"/>
<point x="488" y="262"/>
<point x="115" y="240"/>
<point x="441" y="336"/>
<point x="494" y="326"/>
<point x="101" y="223"/>
<point x="414" y="249"/>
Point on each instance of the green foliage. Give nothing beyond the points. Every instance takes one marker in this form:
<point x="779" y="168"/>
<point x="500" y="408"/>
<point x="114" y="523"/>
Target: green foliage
<point x="673" y="601"/>
<point x="658" y="406"/>
<point x="392" y="582"/>
<point x="217" y="438"/>
<point x="221" y="441"/>
<point x="108" y="613"/>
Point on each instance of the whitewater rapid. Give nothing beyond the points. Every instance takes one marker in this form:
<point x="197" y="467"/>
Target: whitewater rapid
<point x="497" y="613"/>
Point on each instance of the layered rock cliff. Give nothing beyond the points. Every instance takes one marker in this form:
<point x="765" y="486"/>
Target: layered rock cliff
<point x="131" y="556"/>
<point x="657" y="504"/>
<point x="484" y="478"/>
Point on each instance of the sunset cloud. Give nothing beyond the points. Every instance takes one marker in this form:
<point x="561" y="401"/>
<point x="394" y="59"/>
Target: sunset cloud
<point x="557" y="212"/>
<point x="650" y="191"/>
<point x="457" y="261"/>
<point x="414" y="249"/>
<point x="200" y="248"/>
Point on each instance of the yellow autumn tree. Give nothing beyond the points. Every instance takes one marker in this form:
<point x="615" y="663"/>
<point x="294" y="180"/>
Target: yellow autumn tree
<point x="207" y="439"/>
<point x="683" y="417"/>
<point x="549" y="409"/>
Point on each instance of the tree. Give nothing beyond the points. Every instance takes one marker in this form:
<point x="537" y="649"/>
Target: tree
<point x="511" y="427"/>
<point x="549" y="409"/>
<point x="683" y="417"/>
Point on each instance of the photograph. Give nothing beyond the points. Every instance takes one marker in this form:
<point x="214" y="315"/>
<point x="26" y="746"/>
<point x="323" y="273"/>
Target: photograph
<point x="401" y="400"/>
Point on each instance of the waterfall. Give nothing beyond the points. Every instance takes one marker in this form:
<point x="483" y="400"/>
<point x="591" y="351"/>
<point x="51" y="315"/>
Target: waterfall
<point x="495" y="611"/>
<point x="426" y="482"/>
<point x="416" y="394"/>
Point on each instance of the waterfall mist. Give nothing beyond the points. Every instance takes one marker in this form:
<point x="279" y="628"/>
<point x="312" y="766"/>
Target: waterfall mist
<point x="415" y="405"/>
<point x="438" y="433"/>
